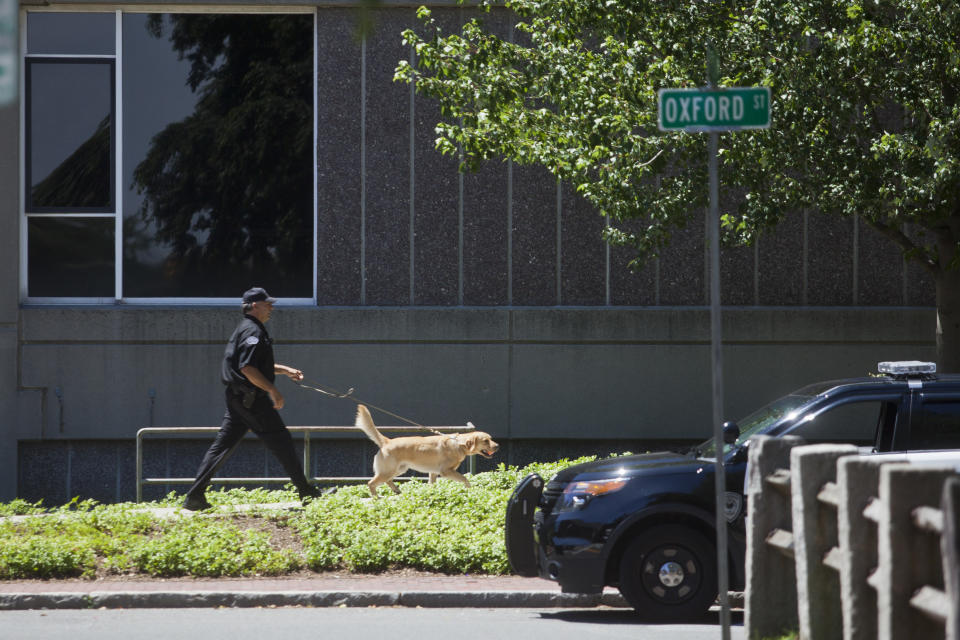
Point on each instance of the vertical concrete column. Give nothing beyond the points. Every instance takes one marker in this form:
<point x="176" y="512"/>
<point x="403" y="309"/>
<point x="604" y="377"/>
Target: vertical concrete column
<point x="9" y="290"/>
<point x="950" y="552"/>
<point x="905" y="560"/>
<point x="858" y="479"/>
<point x="771" y="596"/>
<point x="814" y="473"/>
<point x="9" y="412"/>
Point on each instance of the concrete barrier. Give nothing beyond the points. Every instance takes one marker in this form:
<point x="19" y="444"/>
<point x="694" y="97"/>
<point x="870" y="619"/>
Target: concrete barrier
<point x="871" y="540"/>
<point x="911" y="602"/>
<point x="770" y="600"/>
<point x="950" y="550"/>
<point x="858" y="479"/>
<point x="816" y="499"/>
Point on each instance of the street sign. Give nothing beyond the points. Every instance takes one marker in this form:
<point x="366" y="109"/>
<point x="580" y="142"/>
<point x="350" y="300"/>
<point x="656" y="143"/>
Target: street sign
<point x="8" y="52"/>
<point x="713" y="109"/>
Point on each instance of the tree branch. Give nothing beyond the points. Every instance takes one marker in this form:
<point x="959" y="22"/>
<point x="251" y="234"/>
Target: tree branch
<point x="911" y="249"/>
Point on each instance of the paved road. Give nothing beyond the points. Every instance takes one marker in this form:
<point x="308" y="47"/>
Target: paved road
<point x="380" y="623"/>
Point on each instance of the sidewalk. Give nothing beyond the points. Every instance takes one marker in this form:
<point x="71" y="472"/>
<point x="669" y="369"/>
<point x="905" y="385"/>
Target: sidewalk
<point x="387" y="590"/>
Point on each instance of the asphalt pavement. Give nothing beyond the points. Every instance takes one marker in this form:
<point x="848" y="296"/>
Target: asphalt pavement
<point x="378" y="623"/>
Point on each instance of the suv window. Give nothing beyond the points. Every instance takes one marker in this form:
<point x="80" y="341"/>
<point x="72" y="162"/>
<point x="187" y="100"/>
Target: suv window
<point x="853" y="423"/>
<point x="937" y="426"/>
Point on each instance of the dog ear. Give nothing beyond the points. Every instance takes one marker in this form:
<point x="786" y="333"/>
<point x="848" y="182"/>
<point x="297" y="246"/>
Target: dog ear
<point x="469" y="443"/>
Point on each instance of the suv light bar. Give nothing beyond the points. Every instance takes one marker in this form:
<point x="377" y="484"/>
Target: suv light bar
<point x="907" y="368"/>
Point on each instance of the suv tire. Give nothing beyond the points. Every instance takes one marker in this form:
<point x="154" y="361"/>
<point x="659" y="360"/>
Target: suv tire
<point x="669" y="573"/>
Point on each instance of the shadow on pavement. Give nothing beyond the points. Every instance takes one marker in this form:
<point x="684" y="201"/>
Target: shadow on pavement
<point x="628" y="616"/>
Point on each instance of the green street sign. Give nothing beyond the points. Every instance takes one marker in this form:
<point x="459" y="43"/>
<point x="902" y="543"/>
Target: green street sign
<point x="8" y="51"/>
<point x="713" y="109"/>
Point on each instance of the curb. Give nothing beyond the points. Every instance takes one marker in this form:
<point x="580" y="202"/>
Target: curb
<point x="242" y="599"/>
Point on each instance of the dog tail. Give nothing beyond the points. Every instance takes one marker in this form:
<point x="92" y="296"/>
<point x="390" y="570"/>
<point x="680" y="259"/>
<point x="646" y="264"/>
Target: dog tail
<point x="365" y="424"/>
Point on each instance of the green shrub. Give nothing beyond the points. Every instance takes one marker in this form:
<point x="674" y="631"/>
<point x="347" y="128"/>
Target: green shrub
<point x="205" y="547"/>
<point x="20" y="507"/>
<point x="44" y="556"/>
<point x="442" y="527"/>
<point x="224" y="497"/>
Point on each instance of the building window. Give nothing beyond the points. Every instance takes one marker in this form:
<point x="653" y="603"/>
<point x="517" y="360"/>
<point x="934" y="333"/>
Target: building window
<point x="71" y="164"/>
<point x="71" y="256"/>
<point x="175" y="161"/>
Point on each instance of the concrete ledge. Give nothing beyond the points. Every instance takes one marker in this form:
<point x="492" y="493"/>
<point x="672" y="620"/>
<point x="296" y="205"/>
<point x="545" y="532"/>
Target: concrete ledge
<point x="125" y="324"/>
<point x="211" y="599"/>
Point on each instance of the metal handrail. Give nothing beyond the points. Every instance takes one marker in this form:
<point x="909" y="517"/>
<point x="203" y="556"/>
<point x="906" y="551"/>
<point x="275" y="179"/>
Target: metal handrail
<point x="306" y="431"/>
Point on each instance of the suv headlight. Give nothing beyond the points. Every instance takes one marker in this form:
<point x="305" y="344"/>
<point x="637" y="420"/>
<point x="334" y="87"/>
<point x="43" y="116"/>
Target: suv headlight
<point x="578" y="494"/>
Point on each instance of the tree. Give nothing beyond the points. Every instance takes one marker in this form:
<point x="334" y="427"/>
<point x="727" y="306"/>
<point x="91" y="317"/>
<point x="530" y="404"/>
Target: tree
<point x="864" y="100"/>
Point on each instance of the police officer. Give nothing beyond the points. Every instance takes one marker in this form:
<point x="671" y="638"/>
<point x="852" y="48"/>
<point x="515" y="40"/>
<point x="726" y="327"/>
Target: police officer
<point x="248" y="371"/>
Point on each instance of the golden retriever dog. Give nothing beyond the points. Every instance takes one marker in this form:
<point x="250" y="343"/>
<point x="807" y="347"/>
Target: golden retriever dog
<point x="435" y="455"/>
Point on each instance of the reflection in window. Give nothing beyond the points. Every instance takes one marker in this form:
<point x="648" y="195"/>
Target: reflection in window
<point x="218" y="154"/>
<point x="852" y="423"/>
<point x="71" y="34"/>
<point x="70" y="257"/>
<point x="70" y="151"/>
<point x="937" y="427"/>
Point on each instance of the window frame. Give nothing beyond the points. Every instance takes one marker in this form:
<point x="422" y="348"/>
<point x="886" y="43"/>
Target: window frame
<point x="117" y="155"/>
<point x="111" y="63"/>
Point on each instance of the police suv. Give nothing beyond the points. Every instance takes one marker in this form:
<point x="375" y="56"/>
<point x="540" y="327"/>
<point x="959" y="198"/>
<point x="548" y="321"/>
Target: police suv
<point x="646" y="523"/>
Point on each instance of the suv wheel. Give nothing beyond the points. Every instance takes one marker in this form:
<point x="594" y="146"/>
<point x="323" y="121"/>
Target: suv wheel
<point x="669" y="573"/>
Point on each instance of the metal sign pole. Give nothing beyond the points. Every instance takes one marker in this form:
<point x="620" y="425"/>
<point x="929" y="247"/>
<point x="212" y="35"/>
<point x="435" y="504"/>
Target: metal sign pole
<point x="716" y="353"/>
<point x="717" y="367"/>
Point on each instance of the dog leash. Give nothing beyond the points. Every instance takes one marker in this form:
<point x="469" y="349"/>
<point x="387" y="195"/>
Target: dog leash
<point x="348" y="395"/>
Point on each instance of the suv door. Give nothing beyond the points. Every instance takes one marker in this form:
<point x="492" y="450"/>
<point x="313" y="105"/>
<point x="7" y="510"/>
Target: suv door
<point x="869" y="421"/>
<point x="936" y="422"/>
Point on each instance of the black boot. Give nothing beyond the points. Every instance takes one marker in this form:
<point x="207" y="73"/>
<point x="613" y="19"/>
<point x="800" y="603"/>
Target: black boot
<point x="195" y="502"/>
<point x="308" y="493"/>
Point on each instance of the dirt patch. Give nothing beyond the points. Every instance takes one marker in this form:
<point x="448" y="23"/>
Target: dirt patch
<point x="282" y="535"/>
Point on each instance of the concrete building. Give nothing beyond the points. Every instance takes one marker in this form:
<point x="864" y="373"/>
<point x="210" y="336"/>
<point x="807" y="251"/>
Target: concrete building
<point x="444" y="297"/>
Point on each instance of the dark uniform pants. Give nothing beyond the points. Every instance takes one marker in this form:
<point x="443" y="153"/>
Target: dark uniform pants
<point x="264" y="421"/>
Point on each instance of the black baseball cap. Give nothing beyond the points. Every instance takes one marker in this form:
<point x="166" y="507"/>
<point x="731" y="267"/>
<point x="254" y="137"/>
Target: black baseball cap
<point x="257" y="294"/>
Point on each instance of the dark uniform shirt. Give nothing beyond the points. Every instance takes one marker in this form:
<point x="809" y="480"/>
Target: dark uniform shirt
<point x="250" y="344"/>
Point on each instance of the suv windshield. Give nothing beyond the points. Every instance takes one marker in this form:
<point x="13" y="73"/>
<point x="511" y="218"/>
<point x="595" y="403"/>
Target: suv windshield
<point x="761" y="420"/>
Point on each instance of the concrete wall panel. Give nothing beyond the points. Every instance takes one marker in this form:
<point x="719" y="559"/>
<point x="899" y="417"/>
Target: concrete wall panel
<point x="339" y="149"/>
<point x="830" y="260"/>
<point x="608" y="391"/>
<point x="436" y="276"/>
<point x="781" y="263"/>
<point x="388" y="156"/>
<point x="583" y="267"/>
<point x="534" y="237"/>
<point x="10" y="424"/>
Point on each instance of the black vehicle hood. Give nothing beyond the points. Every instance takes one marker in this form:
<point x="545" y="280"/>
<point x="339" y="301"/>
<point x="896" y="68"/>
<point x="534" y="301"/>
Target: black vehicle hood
<point x="660" y="463"/>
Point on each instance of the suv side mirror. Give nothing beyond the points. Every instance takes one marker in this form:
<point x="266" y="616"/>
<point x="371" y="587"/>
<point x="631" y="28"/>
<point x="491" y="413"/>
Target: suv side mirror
<point x="731" y="432"/>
